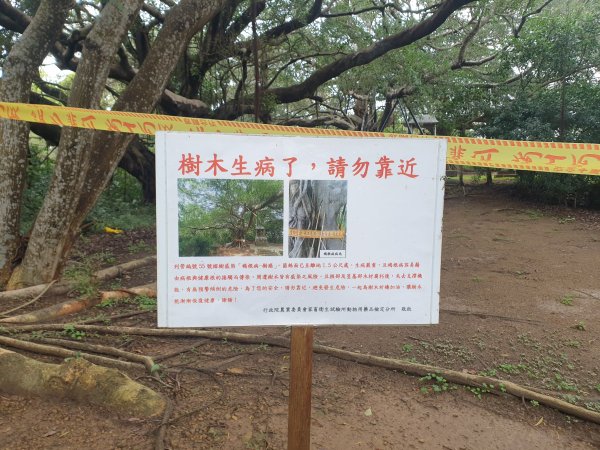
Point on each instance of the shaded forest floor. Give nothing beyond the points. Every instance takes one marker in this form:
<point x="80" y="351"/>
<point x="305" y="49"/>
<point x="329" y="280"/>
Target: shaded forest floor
<point x="520" y="300"/>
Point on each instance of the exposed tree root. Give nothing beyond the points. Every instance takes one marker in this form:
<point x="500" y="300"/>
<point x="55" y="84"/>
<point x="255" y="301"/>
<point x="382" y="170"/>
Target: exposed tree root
<point x="485" y="316"/>
<point x="148" y="290"/>
<point x="74" y="306"/>
<point x="79" y="380"/>
<point x="64" y="353"/>
<point x="105" y="319"/>
<point x="33" y="300"/>
<point x="53" y="312"/>
<point x="465" y="379"/>
<point x="146" y="361"/>
<point x="500" y="386"/>
<point x="33" y="291"/>
<point x="159" y="443"/>
<point x="118" y="270"/>
<point x="63" y="288"/>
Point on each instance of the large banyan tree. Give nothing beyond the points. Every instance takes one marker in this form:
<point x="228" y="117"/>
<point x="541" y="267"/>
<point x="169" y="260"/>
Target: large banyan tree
<point x="284" y="61"/>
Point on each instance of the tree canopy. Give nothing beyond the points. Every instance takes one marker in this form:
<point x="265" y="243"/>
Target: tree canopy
<point x="217" y="212"/>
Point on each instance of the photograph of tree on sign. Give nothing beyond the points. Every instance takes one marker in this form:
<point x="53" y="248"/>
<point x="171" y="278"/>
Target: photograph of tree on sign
<point x="317" y="224"/>
<point x="230" y="217"/>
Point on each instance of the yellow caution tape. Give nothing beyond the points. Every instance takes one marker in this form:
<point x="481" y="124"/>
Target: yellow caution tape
<point x="317" y="234"/>
<point x="495" y="153"/>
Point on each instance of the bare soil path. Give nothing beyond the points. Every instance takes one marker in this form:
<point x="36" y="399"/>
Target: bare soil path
<point x="520" y="300"/>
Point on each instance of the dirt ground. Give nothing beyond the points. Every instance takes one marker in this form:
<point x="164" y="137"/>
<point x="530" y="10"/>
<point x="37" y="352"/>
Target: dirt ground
<point x="520" y="301"/>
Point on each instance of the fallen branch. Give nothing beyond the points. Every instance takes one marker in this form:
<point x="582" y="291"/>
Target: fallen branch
<point x="63" y="288"/>
<point x="500" y="386"/>
<point x="74" y="306"/>
<point x="80" y="380"/>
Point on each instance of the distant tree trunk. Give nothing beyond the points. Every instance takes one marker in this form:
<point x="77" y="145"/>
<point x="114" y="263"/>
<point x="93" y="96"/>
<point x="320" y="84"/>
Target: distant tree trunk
<point x="316" y="206"/>
<point x="87" y="159"/>
<point x="138" y="161"/>
<point x="489" y="180"/>
<point x="562" y="121"/>
<point x="18" y="72"/>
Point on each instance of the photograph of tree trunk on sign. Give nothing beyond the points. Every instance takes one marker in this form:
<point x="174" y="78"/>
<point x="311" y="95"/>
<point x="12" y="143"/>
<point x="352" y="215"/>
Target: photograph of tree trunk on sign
<point x="230" y="217"/>
<point x="317" y="223"/>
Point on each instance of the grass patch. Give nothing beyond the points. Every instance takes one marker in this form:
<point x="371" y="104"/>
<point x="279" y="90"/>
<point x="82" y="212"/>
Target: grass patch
<point x="567" y="300"/>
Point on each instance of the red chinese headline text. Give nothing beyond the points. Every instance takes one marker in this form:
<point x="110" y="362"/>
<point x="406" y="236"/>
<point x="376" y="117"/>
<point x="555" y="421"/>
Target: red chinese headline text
<point x="382" y="168"/>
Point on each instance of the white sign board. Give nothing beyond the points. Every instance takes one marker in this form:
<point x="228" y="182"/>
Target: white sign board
<point x="282" y="230"/>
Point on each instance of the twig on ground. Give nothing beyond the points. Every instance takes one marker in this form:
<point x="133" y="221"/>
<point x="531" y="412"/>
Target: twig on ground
<point x="206" y="404"/>
<point x="118" y="270"/>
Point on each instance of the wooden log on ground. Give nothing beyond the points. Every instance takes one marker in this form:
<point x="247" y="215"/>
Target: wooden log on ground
<point x="78" y="380"/>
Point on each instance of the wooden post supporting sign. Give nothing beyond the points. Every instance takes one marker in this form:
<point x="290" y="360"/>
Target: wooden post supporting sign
<point x="299" y="406"/>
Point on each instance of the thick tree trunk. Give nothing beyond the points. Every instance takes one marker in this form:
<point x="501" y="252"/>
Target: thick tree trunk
<point x="89" y="158"/>
<point x="18" y="73"/>
<point x="49" y="243"/>
<point x="317" y="206"/>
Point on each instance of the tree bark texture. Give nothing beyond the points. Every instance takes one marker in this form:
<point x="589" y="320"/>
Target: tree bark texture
<point x="18" y="72"/>
<point x="49" y="241"/>
<point x="80" y="380"/>
<point x="316" y="206"/>
<point x="88" y="158"/>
